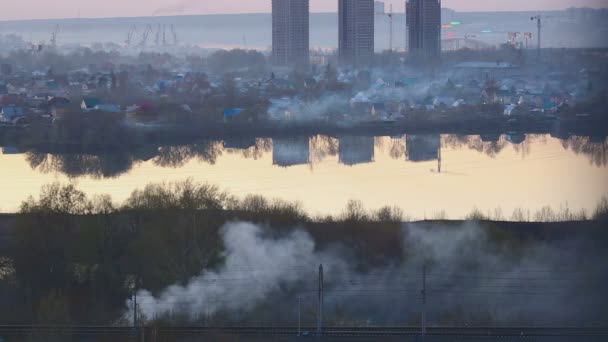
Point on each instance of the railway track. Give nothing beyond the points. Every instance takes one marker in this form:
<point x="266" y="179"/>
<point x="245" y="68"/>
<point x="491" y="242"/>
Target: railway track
<point x="293" y="331"/>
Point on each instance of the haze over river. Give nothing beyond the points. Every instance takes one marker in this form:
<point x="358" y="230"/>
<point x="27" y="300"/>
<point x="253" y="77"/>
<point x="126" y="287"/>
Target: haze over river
<point x="323" y="173"/>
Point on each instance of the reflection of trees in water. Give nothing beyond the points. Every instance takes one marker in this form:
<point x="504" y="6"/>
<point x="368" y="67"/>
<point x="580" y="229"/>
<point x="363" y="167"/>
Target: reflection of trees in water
<point x="178" y="156"/>
<point x="323" y="146"/>
<point x="262" y="146"/>
<point x="523" y="148"/>
<point x="398" y="148"/>
<point x="395" y="146"/>
<point x="77" y="165"/>
<point x="597" y="152"/>
<point x="490" y="145"/>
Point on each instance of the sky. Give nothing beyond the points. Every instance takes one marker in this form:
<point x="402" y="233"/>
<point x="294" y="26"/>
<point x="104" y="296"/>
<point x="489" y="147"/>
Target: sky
<point x="45" y="9"/>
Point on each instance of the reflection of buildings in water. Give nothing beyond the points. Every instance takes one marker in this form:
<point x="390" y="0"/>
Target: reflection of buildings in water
<point x="356" y="150"/>
<point x="10" y="150"/>
<point x="290" y="151"/>
<point x="516" y="138"/>
<point x="422" y="148"/>
<point x="240" y="143"/>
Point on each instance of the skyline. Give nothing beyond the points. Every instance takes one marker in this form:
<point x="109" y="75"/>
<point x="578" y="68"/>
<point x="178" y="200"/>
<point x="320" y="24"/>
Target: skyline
<point x="63" y="9"/>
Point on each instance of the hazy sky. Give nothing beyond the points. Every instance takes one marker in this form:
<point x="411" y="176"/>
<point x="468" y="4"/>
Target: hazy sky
<point x="37" y="9"/>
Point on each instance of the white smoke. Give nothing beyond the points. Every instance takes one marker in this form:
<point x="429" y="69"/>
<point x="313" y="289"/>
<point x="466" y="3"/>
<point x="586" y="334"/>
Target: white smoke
<point x="465" y="269"/>
<point x="256" y="265"/>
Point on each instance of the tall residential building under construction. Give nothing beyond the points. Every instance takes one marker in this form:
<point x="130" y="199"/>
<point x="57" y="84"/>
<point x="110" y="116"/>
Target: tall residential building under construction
<point x="423" y="20"/>
<point x="290" y="32"/>
<point x="356" y="32"/>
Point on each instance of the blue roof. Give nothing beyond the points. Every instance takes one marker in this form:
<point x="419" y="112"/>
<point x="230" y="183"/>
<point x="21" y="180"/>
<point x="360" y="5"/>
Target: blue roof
<point x="108" y="108"/>
<point x="233" y="112"/>
<point x="12" y="112"/>
<point x="91" y="102"/>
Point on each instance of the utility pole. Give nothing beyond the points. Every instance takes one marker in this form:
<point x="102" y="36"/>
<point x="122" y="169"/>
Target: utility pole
<point x="320" y="303"/>
<point x="134" y="309"/>
<point x="539" y="27"/>
<point x="439" y="158"/>
<point x="423" y="292"/>
<point x="299" y="315"/>
<point x="390" y="18"/>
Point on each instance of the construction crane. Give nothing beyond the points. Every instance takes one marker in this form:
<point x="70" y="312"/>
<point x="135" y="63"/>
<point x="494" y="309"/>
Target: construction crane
<point x="145" y="35"/>
<point x="390" y="19"/>
<point x="157" y="39"/>
<point x="130" y="35"/>
<point x="174" y="34"/>
<point x="54" y="36"/>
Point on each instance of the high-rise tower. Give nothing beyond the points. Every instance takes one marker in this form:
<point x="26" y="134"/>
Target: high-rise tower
<point x="423" y="18"/>
<point x="290" y="32"/>
<point x="356" y="32"/>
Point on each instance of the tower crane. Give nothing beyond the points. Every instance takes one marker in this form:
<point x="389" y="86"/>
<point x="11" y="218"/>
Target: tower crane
<point x="157" y="38"/>
<point x="145" y="36"/>
<point x="174" y="34"/>
<point x="390" y="15"/>
<point x="130" y="35"/>
<point x="54" y="36"/>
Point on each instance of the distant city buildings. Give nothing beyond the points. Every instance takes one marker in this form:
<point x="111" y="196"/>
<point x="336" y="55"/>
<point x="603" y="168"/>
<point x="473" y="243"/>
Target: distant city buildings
<point x="423" y="18"/>
<point x="290" y="32"/>
<point x="422" y="148"/>
<point x="379" y="7"/>
<point x="356" y="32"/>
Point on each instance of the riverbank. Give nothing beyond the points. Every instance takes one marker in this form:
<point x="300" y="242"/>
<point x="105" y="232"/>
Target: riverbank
<point x="88" y="266"/>
<point x="120" y="137"/>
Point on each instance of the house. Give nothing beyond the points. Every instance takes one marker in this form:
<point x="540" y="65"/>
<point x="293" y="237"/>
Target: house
<point x="58" y="106"/>
<point x="9" y="100"/>
<point x="504" y="96"/>
<point x="379" y="110"/>
<point x="108" y="108"/>
<point x="443" y="101"/>
<point x="89" y="103"/>
<point x="11" y="115"/>
<point x="230" y="114"/>
<point x="509" y="109"/>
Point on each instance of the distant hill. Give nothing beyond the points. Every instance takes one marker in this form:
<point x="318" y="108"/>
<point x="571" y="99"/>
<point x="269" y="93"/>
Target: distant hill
<point x="561" y="29"/>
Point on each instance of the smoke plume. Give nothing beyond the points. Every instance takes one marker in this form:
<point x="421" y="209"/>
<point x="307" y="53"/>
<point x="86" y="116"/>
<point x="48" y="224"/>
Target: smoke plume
<point x="473" y="276"/>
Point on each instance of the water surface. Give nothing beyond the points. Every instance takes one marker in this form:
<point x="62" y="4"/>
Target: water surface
<point x="422" y="174"/>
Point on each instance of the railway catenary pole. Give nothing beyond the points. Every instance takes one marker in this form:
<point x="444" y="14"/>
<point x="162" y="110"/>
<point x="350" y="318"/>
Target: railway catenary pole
<point x="423" y="315"/>
<point x="299" y="315"/>
<point x="320" y="303"/>
<point x="134" y="309"/>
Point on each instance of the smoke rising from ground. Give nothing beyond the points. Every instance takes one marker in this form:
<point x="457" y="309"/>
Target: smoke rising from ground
<point x="474" y="277"/>
<point x="256" y="265"/>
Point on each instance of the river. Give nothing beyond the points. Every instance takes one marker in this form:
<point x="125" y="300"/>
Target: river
<point x="428" y="176"/>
